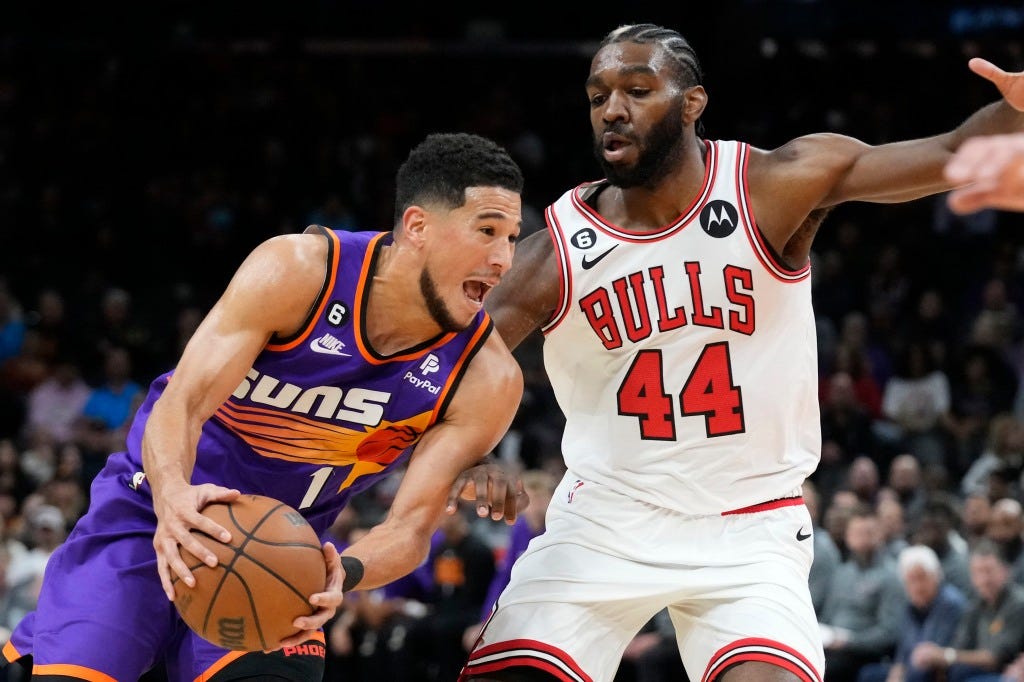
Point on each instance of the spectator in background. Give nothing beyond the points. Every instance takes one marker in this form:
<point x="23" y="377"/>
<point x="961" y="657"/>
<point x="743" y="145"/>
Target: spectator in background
<point x="916" y="400"/>
<point x="906" y="482"/>
<point x="932" y="613"/>
<point x="47" y="529"/>
<point x="12" y="326"/>
<point x="861" y="617"/>
<point x="894" y="530"/>
<point x="863" y="480"/>
<point x="991" y="632"/>
<point x="49" y="321"/>
<point x="977" y="510"/>
<point x="936" y="529"/>
<point x="845" y="431"/>
<point x="1005" y="525"/>
<point x="826" y="554"/>
<point x="1005" y="449"/>
<point x="106" y="413"/>
<point x="56" y="405"/>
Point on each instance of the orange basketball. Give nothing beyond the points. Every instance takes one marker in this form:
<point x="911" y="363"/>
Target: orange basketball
<point x="263" y="579"/>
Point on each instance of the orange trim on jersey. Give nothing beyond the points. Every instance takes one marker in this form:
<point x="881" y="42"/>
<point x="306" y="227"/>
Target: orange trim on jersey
<point x="357" y="316"/>
<point x="77" y="671"/>
<point x="684" y="219"/>
<point x="456" y="374"/>
<point x="763" y="650"/>
<point x="332" y="276"/>
<point x="754" y="236"/>
<point x="221" y="663"/>
<point x="565" y="271"/>
<point x="10" y="653"/>
<point x="524" y="653"/>
<point x="767" y="506"/>
<point x="226" y="659"/>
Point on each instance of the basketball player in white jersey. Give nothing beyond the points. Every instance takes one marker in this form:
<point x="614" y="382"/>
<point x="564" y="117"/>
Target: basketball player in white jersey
<point x="675" y="296"/>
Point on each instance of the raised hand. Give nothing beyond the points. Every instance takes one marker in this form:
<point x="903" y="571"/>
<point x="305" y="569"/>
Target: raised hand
<point x="1011" y="85"/>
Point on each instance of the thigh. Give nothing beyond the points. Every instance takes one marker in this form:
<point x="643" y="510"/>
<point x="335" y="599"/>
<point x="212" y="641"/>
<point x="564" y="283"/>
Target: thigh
<point x="101" y="607"/>
<point x="751" y="603"/>
<point x="198" y="659"/>
<point x="573" y="602"/>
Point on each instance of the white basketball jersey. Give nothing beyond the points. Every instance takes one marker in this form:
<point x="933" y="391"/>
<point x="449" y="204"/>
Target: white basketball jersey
<point x="684" y="358"/>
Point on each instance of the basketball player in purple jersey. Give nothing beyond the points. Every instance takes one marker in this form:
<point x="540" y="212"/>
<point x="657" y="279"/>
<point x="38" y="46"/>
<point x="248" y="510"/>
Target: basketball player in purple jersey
<point x="331" y="359"/>
<point x="675" y="299"/>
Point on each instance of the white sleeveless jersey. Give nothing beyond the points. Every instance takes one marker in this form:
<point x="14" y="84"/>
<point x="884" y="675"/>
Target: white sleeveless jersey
<point x="684" y="358"/>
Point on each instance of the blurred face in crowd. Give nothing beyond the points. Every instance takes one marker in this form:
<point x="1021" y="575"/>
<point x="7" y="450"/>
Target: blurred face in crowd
<point x="1004" y="524"/>
<point x="921" y="586"/>
<point x="988" y="576"/>
<point x="863" y="535"/>
<point x="977" y="510"/>
<point x="890" y="516"/>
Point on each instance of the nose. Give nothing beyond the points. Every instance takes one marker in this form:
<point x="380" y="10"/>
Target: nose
<point x="501" y="257"/>
<point x="615" y="108"/>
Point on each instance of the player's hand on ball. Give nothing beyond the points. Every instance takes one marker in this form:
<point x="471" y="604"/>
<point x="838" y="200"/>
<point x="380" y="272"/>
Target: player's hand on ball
<point x="496" y="492"/>
<point x="326" y="602"/>
<point x="178" y="512"/>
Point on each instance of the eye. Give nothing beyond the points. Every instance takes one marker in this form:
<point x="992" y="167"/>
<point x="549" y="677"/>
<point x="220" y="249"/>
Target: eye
<point x="513" y="238"/>
<point x="597" y="100"/>
<point x="489" y="231"/>
<point x="639" y="92"/>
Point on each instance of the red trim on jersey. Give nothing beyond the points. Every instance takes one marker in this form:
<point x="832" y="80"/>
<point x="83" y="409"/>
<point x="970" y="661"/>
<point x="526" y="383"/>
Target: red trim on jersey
<point x="729" y="655"/>
<point x="757" y="243"/>
<point x="767" y="506"/>
<point x="332" y="276"/>
<point x="518" y="650"/>
<point x="645" y="236"/>
<point x="554" y="229"/>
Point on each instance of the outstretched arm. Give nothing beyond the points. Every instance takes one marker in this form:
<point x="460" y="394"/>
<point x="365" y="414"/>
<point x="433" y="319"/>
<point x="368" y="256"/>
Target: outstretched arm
<point x="482" y="410"/>
<point x="823" y="170"/>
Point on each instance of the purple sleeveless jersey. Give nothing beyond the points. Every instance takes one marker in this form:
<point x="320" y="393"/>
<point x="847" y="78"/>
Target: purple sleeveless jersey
<point x="319" y="417"/>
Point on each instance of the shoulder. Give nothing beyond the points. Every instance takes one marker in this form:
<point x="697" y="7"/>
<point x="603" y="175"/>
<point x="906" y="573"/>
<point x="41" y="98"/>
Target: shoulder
<point x="814" y="149"/>
<point x="300" y="258"/>
<point x="492" y="378"/>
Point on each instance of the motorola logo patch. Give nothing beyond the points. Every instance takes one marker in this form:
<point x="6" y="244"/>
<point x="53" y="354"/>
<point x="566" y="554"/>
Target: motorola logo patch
<point x="719" y="218"/>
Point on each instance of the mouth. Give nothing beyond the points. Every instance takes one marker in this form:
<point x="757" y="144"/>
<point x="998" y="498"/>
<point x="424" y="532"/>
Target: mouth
<point x="615" y="146"/>
<point x="476" y="290"/>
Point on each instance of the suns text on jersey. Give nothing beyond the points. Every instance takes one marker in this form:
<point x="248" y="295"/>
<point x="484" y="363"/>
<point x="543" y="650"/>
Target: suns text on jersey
<point x="625" y="309"/>
<point x="357" y="405"/>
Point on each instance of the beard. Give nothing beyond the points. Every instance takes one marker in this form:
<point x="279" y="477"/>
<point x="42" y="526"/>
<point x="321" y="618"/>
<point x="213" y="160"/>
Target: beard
<point x="657" y="153"/>
<point x="436" y="305"/>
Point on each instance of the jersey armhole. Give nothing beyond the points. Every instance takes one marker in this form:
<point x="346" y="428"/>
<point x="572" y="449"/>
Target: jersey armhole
<point x="283" y="343"/>
<point x="564" y="271"/>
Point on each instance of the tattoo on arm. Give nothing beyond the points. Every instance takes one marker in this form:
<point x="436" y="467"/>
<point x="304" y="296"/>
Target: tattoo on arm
<point x="353" y="572"/>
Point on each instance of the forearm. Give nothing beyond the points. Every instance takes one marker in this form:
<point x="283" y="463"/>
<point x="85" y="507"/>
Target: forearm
<point x="993" y="119"/>
<point x="980" y="658"/>
<point x="169" y="446"/>
<point x="386" y="553"/>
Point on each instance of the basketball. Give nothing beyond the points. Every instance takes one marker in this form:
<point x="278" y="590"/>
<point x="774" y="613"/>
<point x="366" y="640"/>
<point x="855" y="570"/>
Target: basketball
<point x="263" y="579"/>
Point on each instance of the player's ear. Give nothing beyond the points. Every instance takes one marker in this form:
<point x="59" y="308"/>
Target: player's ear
<point x="695" y="99"/>
<point x="414" y="223"/>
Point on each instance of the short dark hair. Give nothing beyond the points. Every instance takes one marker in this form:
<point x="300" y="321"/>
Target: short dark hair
<point x="444" y="165"/>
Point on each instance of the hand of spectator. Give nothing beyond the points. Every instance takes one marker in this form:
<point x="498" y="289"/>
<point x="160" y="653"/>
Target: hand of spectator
<point x="927" y="656"/>
<point x="496" y="492"/>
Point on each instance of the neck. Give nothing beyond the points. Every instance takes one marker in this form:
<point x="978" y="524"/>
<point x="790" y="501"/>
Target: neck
<point x="652" y="207"/>
<point x="396" y="317"/>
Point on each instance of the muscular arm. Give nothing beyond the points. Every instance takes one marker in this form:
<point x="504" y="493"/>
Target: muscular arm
<point x="823" y="170"/>
<point x="528" y="294"/>
<point x="271" y="292"/>
<point x="480" y="413"/>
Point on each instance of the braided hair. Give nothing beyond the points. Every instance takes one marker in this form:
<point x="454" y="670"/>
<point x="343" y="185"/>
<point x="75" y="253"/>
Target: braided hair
<point x="687" y="71"/>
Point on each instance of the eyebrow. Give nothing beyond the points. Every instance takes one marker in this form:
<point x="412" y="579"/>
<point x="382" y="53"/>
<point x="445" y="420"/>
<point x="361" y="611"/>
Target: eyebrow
<point x="641" y="69"/>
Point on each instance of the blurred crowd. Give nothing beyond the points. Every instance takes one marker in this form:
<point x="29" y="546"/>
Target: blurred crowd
<point x="144" y="176"/>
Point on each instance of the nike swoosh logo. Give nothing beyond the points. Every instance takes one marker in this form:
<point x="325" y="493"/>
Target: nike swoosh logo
<point x="315" y="346"/>
<point x="587" y="264"/>
<point x="801" y="536"/>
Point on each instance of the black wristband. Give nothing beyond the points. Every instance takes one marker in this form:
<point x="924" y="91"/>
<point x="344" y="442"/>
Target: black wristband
<point x="353" y="572"/>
